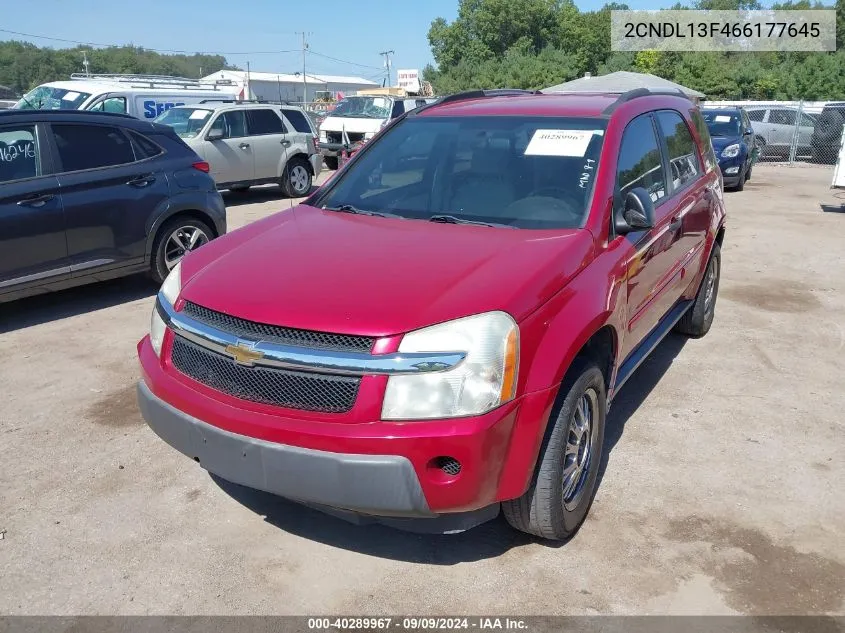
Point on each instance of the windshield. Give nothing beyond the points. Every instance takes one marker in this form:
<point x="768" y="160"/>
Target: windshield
<point x="186" y="122"/>
<point x="525" y="172"/>
<point x="49" y="98"/>
<point x="722" y="123"/>
<point x="365" y="107"/>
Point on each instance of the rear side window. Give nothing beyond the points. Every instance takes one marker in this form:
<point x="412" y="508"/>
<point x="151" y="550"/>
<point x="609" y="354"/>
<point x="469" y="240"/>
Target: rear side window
<point x="264" y="122"/>
<point x="683" y="157"/>
<point x="782" y="117"/>
<point x="91" y="146"/>
<point x="756" y="115"/>
<point x="639" y="163"/>
<point x="18" y="153"/>
<point x="704" y="136"/>
<point x="298" y="121"/>
<point x="143" y="147"/>
<point x="398" y="109"/>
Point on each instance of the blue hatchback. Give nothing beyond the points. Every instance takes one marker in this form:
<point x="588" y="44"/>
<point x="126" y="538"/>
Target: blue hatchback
<point x="734" y="144"/>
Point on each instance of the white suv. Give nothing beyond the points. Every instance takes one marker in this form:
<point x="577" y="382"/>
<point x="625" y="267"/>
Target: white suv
<point x="249" y="144"/>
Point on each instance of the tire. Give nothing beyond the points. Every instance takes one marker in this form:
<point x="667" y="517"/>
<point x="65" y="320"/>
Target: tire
<point x="697" y="320"/>
<point x="297" y="179"/>
<point x="165" y="248"/>
<point x="741" y="184"/>
<point x="331" y="162"/>
<point x="748" y="173"/>
<point x="239" y="189"/>
<point x="547" y="509"/>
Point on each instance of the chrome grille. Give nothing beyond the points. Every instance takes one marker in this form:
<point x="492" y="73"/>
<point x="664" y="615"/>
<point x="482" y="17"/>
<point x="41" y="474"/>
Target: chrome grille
<point x="267" y="385"/>
<point x="277" y="334"/>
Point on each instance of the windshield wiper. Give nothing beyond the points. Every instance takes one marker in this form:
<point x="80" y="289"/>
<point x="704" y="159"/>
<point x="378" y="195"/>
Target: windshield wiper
<point x="451" y="219"/>
<point x="348" y="208"/>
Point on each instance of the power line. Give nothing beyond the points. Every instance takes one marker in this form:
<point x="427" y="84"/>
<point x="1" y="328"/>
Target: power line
<point x="146" y="48"/>
<point x="343" y="61"/>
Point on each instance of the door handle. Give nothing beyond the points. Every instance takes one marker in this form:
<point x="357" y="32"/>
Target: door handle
<point x="244" y="145"/>
<point x="36" y="200"/>
<point x="676" y="222"/>
<point x="286" y="143"/>
<point x="142" y="181"/>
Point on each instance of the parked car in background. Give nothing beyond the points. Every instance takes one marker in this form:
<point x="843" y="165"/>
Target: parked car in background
<point x="250" y="144"/>
<point x="776" y="126"/>
<point x="734" y="142"/>
<point x="359" y="118"/>
<point x="508" y="261"/>
<point x="89" y="196"/>
<point x="827" y="135"/>
<point x="142" y="96"/>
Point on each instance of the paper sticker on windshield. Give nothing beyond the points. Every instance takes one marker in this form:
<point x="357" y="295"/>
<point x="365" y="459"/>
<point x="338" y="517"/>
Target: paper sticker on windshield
<point x="721" y="118"/>
<point x="70" y="96"/>
<point x="559" y="143"/>
<point x="199" y="114"/>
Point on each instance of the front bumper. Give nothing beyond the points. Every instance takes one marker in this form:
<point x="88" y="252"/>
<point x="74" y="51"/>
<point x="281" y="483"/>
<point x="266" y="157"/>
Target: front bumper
<point x="346" y="461"/>
<point x="330" y="149"/>
<point x="732" y="170"/>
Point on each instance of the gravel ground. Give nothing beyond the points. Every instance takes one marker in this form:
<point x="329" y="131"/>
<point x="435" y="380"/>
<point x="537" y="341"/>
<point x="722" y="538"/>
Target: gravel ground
<point x="719" y="494"/>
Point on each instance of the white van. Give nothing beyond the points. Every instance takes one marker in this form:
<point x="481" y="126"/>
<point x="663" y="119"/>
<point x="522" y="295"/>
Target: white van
<point x="142" y="96"/>
<point x="360" y="117"/>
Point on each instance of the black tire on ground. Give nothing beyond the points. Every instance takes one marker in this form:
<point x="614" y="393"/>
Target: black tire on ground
<point x="549" y="508"/>
<point x="166" y="246"/>
<point x="739" y="186"/>
<point x="697" y="320"/>
<point x="239" y="188"/>
<point x="297" y="178"/>
<point x="330" y="162"/>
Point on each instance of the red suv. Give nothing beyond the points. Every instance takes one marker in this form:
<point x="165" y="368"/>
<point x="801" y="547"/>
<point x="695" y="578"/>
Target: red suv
<point x="439" y="331"/>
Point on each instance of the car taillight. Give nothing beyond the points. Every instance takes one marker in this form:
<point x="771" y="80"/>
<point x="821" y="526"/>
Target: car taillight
<point x="202" y="166"/>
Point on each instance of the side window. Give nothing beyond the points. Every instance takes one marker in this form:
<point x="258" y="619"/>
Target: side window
<point x="263" y="122"/>
<point x="704" y="135"/>
<point x="91" y="146"/>
<point x="782" y="117"/>
<point x="683" y="156"/>
<point x="144" y="147"/>
<point x="18" y="153"/>
<point x="756" y="115"/>
<point x="639" y="163"/>
<point x="112" y="104"/>
<point x="232" y="123"/>
<point x="398" y="109"/>
<point x="807" y="121"/>
<point x="298" y="120"/>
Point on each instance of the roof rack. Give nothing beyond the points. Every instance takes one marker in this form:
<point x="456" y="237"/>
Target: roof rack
<point x="20" y="111"/>
<point x="261" y="101"/>
<point x="153" y="81"/>
<point x="636" y="93"/>
<point x="475" y="94"/>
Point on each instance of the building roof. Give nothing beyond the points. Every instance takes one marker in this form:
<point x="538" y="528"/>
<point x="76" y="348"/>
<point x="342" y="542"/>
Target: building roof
<point x="240" y="75"/>
<point x="622" y="81"/>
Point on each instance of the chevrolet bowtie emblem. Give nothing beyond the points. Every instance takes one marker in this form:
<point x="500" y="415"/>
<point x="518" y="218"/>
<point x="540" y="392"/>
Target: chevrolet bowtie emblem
<point x="244" y="353"/>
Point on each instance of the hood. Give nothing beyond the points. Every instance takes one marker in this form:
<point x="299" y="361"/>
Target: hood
<point x="721" y="142"/>
<point x="353" y="124"/>
<point x="335" y="272"/>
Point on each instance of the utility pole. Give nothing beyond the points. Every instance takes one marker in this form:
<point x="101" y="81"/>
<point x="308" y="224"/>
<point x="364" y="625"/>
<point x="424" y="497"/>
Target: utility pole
<point x="386" y="55"/>
<point x="304" y="82"/>
<point x="85" y="64"/>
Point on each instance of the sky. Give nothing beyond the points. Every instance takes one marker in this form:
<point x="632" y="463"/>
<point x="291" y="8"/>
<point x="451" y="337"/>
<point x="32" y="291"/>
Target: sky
<point x="353" y="32"/>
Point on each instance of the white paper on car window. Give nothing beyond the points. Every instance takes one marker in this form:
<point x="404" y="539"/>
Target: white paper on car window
<point x="70" y="96"/>
<point x="721" y="118"/>
<point x="199" y="114"/>
<point x="559" y="143"/>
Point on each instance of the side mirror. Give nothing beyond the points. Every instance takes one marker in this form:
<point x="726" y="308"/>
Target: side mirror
<point x="214" y="134"/>
<point x="637" y="213"/>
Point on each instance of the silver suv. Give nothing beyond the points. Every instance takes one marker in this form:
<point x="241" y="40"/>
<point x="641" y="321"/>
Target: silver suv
<point x="776" y="126"/>
<point x="249" y="144"/>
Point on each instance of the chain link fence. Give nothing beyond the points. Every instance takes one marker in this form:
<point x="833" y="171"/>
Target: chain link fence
<point x="794" y="131"/>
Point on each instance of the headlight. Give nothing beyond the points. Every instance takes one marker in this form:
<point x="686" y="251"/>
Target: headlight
<point x="730" y="151"/>
<point x="484" y="380"/>
<point x="170" y="290"/>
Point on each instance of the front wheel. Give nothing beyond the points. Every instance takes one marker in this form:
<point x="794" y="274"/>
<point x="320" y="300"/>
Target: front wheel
<point x="174" y="239"/>
<point x="564" y="483"/>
